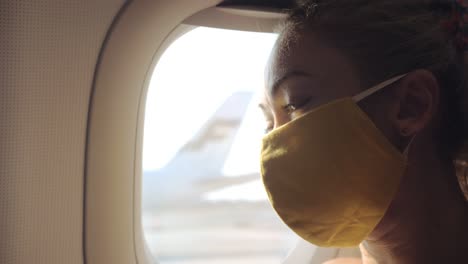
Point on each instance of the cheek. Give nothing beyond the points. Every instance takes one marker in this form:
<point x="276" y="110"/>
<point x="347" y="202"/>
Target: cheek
<point x="280" y="118"/>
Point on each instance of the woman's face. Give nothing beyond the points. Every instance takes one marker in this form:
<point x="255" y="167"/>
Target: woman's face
<point x="302" y="75"/>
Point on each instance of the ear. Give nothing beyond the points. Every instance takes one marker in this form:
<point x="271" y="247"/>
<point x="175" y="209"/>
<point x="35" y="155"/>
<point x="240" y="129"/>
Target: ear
<point x="417" y="100"/>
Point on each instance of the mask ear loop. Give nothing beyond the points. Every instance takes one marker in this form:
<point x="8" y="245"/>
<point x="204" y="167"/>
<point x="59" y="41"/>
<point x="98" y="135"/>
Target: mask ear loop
<point x="377" y="88"/>
<point x="407" y="149"/>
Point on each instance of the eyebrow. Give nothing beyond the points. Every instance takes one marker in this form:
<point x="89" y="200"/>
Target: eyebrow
<point x="277" y="83"/>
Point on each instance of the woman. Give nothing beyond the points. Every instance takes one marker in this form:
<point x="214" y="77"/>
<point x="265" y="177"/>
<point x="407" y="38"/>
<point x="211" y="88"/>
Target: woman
<point x="383" y="168"/>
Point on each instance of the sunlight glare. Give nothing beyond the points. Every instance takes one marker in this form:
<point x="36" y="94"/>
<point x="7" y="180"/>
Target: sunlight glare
<point x="178" y="105"/>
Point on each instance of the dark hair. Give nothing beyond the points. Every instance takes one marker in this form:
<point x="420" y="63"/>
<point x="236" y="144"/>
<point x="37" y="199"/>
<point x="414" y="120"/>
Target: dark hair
<point x="385" y="38"/>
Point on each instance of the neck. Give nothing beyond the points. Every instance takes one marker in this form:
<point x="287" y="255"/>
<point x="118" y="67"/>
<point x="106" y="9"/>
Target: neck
<point x="428" y="220"/>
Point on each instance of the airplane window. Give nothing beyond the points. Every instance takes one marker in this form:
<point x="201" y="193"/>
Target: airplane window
<point x="203" y="200"/>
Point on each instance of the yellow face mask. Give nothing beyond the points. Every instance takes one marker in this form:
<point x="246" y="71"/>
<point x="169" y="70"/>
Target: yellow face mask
<point x="331" y="174"/>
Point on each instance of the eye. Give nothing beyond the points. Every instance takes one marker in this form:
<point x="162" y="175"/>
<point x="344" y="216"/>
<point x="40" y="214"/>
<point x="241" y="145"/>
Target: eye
<point x="295" y="106"/>
<point x="290" y="108"/>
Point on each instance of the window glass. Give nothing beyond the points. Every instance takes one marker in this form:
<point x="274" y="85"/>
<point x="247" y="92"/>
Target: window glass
<point x="203" y="200"/>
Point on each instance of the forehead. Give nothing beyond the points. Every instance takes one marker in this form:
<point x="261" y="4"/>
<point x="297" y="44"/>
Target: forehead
<point x="305" y="54"/>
